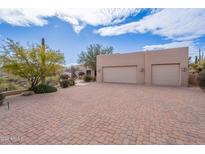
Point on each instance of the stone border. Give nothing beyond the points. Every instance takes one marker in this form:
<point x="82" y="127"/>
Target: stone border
<point x="13" y="92"/>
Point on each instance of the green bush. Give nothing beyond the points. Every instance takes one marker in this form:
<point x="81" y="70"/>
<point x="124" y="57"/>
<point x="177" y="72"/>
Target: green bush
<point x="64" y="83"/>
<point x="201" y="79"/>
<point x="87" y="78"/>
<point x="44" y="88"/>
<point x="2" y="97"/>
<point x="71" y="82"/>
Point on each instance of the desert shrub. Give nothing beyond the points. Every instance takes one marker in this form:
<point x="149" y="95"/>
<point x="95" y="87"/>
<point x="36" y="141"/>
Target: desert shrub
<point x="199" y="66"/>
<point x="201" y="79"/>
<point x="87" y="78"/>
<point x="2" y="97"/>
<point x="64" y="80"/>
<point x="2" y="80"/>
<point x="93" y="78"/>
<point x="81" y="73"/>
<point x="9" y="86"/>
<point x="44" y="88"/>
<point x="64" y="83"/>
<point x="71" y="82"/>
<point x="64" y="76"/>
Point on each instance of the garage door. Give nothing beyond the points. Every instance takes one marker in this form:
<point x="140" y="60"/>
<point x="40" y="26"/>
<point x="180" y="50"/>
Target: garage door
<point x="119" y="74"/>
<point x="165" y="75"/>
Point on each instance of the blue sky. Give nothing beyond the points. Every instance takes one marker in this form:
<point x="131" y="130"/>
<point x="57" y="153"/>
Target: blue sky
<point x="127" y="30"/>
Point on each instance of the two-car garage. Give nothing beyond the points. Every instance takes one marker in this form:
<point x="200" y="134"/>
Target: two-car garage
<point x="167" y="74"/>
<point x="165" y="68"/>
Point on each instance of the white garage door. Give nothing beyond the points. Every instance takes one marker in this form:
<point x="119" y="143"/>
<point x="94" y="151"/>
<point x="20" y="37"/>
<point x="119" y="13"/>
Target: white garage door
<point x="165" y="75"/>
<point x="120" y="74"/>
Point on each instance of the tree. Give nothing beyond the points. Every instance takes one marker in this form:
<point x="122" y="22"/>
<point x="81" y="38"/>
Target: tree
<point x="33" y="63"/>
<point x="88" y="58"/>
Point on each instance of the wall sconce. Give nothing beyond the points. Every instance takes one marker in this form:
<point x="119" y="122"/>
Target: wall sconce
<point x="142" y="70"/>
<point x="184" y="69"/>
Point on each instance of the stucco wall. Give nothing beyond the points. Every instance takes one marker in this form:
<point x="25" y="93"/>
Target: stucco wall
<point x="129" y="59"/>
<point x="82" y="68"/>
<point x="168" y="56"/>
<point x="144" y="61"/>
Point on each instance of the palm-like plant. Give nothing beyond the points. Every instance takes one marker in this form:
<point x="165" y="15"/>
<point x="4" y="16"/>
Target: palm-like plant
<point x="49" y="61"/>
<point x="42" y="54"/>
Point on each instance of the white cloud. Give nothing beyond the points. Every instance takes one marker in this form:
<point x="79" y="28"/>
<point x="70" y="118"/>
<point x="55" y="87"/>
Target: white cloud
<point x="25" y="17"/>
<point x="175" y="24"/>
<point x="193" y="49"/>
<point x="71" y="64"/>
<point x="78" y="18"/>
<point x="168" y="45"/>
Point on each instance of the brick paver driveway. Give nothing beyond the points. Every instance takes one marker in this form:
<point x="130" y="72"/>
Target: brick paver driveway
<point x="106" y="114"/>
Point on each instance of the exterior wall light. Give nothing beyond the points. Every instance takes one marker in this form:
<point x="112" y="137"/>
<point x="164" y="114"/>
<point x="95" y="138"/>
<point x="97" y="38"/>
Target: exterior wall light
<point x="142" y="70"/>
<point x="184" y="69"/>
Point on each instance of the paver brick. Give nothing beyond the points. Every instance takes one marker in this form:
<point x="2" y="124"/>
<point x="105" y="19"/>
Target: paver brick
<point x="106" y="114"/>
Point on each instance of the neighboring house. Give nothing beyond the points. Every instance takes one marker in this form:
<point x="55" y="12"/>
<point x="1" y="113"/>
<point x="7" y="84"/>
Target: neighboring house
<point x="86" y="70"/>
<point x="163" y="67"/>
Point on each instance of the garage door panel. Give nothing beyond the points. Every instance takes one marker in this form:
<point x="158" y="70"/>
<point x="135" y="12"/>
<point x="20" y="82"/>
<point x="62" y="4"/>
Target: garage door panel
<point x="165" y="75"/>
<point x="119" y="74"/>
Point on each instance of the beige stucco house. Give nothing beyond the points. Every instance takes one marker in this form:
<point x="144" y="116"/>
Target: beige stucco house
<point x="163" y="67"/>
<point x="85" y="69"/>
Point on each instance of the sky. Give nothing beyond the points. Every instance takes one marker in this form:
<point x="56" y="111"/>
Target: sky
<point x="127" y="30"/>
